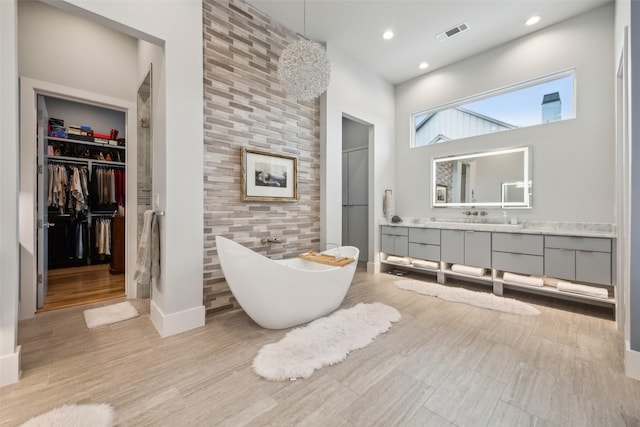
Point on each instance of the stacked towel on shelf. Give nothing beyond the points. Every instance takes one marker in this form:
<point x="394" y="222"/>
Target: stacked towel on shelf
<point x="591" y="291"/>
<point x="467" y="269"/>
<point x="548" y="281"/>
<point x="431" y="265"/>
<point x="523" y="280"/>
<point x="398" y="260"/>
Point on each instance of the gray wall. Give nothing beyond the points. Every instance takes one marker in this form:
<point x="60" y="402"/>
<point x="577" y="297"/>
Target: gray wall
<point x="573" y="160"/>
<point x="354" y="134"/>
<point x="634" y="297"/>
<point x="101" y="120"/>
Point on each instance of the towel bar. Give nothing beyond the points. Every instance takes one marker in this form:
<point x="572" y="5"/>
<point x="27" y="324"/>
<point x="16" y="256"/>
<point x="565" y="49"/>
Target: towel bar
<point x="158" y="213"/>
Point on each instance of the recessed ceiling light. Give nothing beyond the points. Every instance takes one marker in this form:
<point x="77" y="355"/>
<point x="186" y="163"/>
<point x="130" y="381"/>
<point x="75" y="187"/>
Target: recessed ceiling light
<point x="533" y="20"/>
<point x="423" y="65"/>
<point x="387" y="35"/>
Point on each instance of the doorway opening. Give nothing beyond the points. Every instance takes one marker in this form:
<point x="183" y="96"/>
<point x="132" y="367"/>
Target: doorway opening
<point x="80" y="202"/>
<point x="355" y="185"/>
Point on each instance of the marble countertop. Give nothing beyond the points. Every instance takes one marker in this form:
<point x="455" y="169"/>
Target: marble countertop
<point x="582" y="229"/>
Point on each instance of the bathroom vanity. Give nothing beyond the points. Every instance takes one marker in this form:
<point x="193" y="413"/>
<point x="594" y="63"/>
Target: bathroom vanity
<point x="579" y="253"/>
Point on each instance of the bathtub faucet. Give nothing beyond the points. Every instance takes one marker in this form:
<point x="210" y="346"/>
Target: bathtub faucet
<point x="271" y="240"/>
<point x="337" y="253"/>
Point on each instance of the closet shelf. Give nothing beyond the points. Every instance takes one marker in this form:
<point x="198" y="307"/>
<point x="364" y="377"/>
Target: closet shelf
<point x="66" y="159"/>
<point x="74" y="141"/>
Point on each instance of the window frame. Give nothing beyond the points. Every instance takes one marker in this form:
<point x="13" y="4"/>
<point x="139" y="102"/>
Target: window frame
<point x="491" y="93"/>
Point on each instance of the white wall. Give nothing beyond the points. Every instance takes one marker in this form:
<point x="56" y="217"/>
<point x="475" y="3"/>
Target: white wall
<point x="9" y="352"/>
<point x="358" y="93"/>
<point x="177" y="25"/>
<point x="59" y="47"/>
<point x="64" y="50"/>
<point x="577" y="155"/>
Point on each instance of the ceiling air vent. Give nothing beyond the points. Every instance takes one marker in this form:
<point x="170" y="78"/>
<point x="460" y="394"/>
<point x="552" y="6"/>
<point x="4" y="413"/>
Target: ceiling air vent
<point x="452" y="31"/>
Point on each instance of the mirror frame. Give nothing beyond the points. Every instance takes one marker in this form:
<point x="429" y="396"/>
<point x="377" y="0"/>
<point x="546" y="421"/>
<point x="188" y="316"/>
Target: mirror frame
<point x="527" y="167"/>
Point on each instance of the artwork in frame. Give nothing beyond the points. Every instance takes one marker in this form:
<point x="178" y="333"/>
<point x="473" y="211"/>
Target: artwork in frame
<point x="441" y="193"/>
<point x="269" y="177"/>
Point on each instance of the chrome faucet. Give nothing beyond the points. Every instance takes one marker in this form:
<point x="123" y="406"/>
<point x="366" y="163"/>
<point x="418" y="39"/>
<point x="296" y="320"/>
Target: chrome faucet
<point x="337" y="252"/>
<point x="474" y="213"/>
<point x="271" y="240"/>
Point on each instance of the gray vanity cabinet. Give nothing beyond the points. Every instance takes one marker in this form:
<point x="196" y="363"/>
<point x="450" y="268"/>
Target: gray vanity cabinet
<point x="518" y="253"/>
<point x="466" y="247"/>
<point x="584" y="259"/>
<point x="424" y="243"/>
<point x="395" y="240"/>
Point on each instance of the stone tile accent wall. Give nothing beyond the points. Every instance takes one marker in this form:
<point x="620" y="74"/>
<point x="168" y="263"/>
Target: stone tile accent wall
<point x="245" y="106"/>
<point x="444" y="172"/>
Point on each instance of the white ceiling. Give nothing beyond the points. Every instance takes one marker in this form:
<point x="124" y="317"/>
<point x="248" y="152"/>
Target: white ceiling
<point x="355" y="27"/>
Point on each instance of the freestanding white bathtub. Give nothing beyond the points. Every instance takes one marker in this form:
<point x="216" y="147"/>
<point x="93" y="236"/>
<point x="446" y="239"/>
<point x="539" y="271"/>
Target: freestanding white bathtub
<point x="284" y="293"/>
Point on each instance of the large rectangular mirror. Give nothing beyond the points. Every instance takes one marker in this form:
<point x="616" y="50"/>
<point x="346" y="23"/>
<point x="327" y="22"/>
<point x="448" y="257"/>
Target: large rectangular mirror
<point x="500" y="178"/>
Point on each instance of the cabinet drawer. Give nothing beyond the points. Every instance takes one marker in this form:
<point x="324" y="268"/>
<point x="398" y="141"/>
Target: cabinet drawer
<point x="424" y="235"/>
<point x="597" y="244"/>
<point x="518" y="243"/>
<point x="560" y="263"/>
<point x="518" y="263"/>
<point x="422" y="251"/>
<point x="395" y="231"/>
<point x="593" y="267"/>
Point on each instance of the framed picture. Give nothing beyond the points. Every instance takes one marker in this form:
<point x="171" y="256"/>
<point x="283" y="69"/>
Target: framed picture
<point x="441" y="193"/>
<point x="269" y="177"/>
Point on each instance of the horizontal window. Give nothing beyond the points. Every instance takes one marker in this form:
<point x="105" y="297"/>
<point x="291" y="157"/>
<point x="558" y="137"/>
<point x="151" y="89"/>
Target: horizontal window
<point x="542" y="100"/>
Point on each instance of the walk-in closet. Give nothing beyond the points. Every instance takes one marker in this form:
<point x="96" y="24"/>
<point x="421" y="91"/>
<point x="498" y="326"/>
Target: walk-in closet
<point x="81" y="203"/>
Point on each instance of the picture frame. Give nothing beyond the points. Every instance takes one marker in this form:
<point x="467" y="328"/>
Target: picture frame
<point x="441" y="193"/>
<point x="268" y="177"/>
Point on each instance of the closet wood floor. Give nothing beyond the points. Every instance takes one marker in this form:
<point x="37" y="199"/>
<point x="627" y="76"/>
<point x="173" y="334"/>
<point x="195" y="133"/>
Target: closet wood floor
<point x="442" y="364"/>
<point x="69" y="287"/>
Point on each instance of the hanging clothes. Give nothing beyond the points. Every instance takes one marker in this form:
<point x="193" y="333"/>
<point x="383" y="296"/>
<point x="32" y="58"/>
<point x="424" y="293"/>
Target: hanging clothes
<point x="107" y="187"/>
<point x="102" y="235"/>
<point x="67" y="240"/>
<point x="68" y="187"/>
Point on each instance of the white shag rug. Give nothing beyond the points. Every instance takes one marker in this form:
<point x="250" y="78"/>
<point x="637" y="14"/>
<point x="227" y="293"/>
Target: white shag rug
<point x="465" y="296"/>
<point x="94" y="415"/>
<point x="325" y="341"/>
<point x="108" y="314"/>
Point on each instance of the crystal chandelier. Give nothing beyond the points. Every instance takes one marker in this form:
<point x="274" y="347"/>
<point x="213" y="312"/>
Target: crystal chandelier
<point x="304" y="69"/>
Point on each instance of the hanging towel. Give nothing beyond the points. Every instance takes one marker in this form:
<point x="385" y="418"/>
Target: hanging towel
<point x="523" y="280"/>
<point x="148" y="262"/>
<point x="591" y="291"/>
<point x="467" y="269"/>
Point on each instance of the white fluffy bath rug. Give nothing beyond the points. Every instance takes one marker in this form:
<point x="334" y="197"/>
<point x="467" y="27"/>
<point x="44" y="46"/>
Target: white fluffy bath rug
<point x="109" y="314"/>
<point x="94" y="415"/>
<point x="325" y="341"/>
<point x="465" y="296"/>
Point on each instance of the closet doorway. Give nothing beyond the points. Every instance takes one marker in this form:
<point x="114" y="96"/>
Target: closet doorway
<point x="63" y="237"/>
<point x="81" y="195"/>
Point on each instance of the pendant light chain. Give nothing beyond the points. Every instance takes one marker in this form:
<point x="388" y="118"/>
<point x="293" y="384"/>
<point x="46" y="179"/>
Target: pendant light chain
<point x="304" y="69"/>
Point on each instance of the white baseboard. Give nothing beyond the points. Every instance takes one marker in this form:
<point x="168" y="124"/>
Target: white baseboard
<point x="10" y="368"/>
<point x="373" y="267"/>
<point x="175" y="323"/>
<point x="631" y="362"/>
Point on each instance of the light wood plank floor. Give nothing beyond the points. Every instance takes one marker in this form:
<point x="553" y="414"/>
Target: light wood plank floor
<point x="69" y="287"/>
<point x="442" y="364"/>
